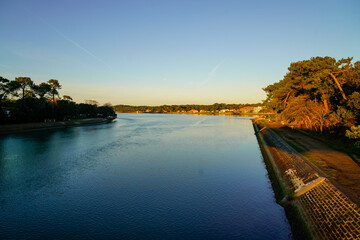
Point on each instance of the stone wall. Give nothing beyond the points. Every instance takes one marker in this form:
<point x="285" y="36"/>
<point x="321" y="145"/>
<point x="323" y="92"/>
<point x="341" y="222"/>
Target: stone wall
<point x="327" y="212"/>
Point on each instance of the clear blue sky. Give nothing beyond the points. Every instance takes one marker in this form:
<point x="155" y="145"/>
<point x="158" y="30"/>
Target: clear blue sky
<point x="170" y="52"/>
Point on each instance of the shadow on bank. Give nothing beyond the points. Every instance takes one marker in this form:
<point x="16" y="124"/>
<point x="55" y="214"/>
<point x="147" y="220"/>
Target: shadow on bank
<point x="18" y="128"/>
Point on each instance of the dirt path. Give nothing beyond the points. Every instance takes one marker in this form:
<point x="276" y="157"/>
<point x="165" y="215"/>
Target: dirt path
<point x="337" y="165"/>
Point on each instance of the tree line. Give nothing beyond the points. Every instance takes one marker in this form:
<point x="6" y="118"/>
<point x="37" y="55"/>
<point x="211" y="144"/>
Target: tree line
<point x="23" y="101"/>
<point x="180" y="108"/>
<point x="321" y="94"/>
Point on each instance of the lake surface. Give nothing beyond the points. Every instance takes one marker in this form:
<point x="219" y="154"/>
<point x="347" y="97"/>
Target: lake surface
<point x="145" y="176"/>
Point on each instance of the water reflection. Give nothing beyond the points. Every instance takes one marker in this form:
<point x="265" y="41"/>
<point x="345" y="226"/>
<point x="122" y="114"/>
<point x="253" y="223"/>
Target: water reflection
<point x="145" y="176"/>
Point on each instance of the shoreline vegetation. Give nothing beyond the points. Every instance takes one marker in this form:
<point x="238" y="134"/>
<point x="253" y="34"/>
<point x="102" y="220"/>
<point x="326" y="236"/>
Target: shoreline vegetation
<point x="214" y="109"/>
<point x="244" y="110"/>
<point x="315" y="123"/>
<point x="210" y="113"/>
<point x="26" y="105"/>
<point x="320" y="96"/>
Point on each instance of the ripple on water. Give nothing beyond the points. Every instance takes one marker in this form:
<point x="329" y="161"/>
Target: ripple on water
<point x="145" y="176"/>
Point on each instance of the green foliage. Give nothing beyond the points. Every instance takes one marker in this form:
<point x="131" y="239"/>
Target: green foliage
<point x="317" y="94"/>
<point x="3" y="88"/>
<point x="54" y="87"/>
<point x="24" y="83"/>
<point x="37" y="103"/>
<point x="66" y="97"/>
<point x="42" y="89"/>
<point x="353" y="133"/>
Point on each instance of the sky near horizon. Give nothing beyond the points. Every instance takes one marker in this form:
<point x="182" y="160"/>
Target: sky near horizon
<point x="170" y="52"/>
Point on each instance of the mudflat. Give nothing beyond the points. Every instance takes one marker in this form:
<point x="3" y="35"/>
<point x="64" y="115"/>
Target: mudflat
<point x="338" y="166"/>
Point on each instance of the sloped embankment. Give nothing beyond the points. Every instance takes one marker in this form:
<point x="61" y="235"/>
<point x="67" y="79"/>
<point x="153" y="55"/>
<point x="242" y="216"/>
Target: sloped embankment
<point x="327" y="212"/>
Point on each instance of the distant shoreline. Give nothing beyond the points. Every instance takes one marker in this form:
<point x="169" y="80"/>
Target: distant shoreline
<point x="207" y="113"/>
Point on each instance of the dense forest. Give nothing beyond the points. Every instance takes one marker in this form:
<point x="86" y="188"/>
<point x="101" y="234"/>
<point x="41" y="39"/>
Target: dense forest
<point x="321" y="94"/>
<point x="180" y="108"/>
<point x="22" y="101"/>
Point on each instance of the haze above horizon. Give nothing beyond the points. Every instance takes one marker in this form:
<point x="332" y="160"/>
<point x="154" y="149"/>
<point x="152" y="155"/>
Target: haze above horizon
<point x="170" y="52"/>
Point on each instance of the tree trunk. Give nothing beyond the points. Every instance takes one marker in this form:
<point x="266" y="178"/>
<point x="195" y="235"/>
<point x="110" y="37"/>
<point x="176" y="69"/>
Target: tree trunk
<point x="303" y="123"/>
<point x="287" y="96"/>
<point x="321" y="126"/>
<point x="309" y="121"/>
<point x="338" y="84"/>
<point x="326" y="105"/>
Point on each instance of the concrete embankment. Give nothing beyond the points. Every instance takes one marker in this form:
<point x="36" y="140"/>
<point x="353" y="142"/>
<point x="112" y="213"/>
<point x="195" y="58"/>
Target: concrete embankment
<point x="326" y="211"/>
<point x="14" y="128"/>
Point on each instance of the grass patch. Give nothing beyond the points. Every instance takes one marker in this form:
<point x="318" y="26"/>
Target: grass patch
<point x="319" y="163"/>
<point x="336" y="142"/>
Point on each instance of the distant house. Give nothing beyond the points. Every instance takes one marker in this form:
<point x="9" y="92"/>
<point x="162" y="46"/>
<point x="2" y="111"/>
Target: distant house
<point x="224" y="110"/>
<point x="193" y="111"/>
<point x="258" y="109"/>
<point x="148" y="111"/>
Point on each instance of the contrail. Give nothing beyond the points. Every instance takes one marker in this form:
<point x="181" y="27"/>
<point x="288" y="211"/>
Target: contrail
<point x="71" y="41"/>
<point x="79" y="46"/>
<point x="212" y="73"/>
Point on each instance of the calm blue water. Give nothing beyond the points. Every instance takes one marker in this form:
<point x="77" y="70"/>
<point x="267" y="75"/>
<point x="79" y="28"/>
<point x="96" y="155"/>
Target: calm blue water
<point x="146" y="176"/>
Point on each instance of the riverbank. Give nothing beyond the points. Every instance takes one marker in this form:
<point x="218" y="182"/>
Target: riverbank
<point x="15" y="128"/>
<point x="337" y="166"/>
<point x="325" y="209"/>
